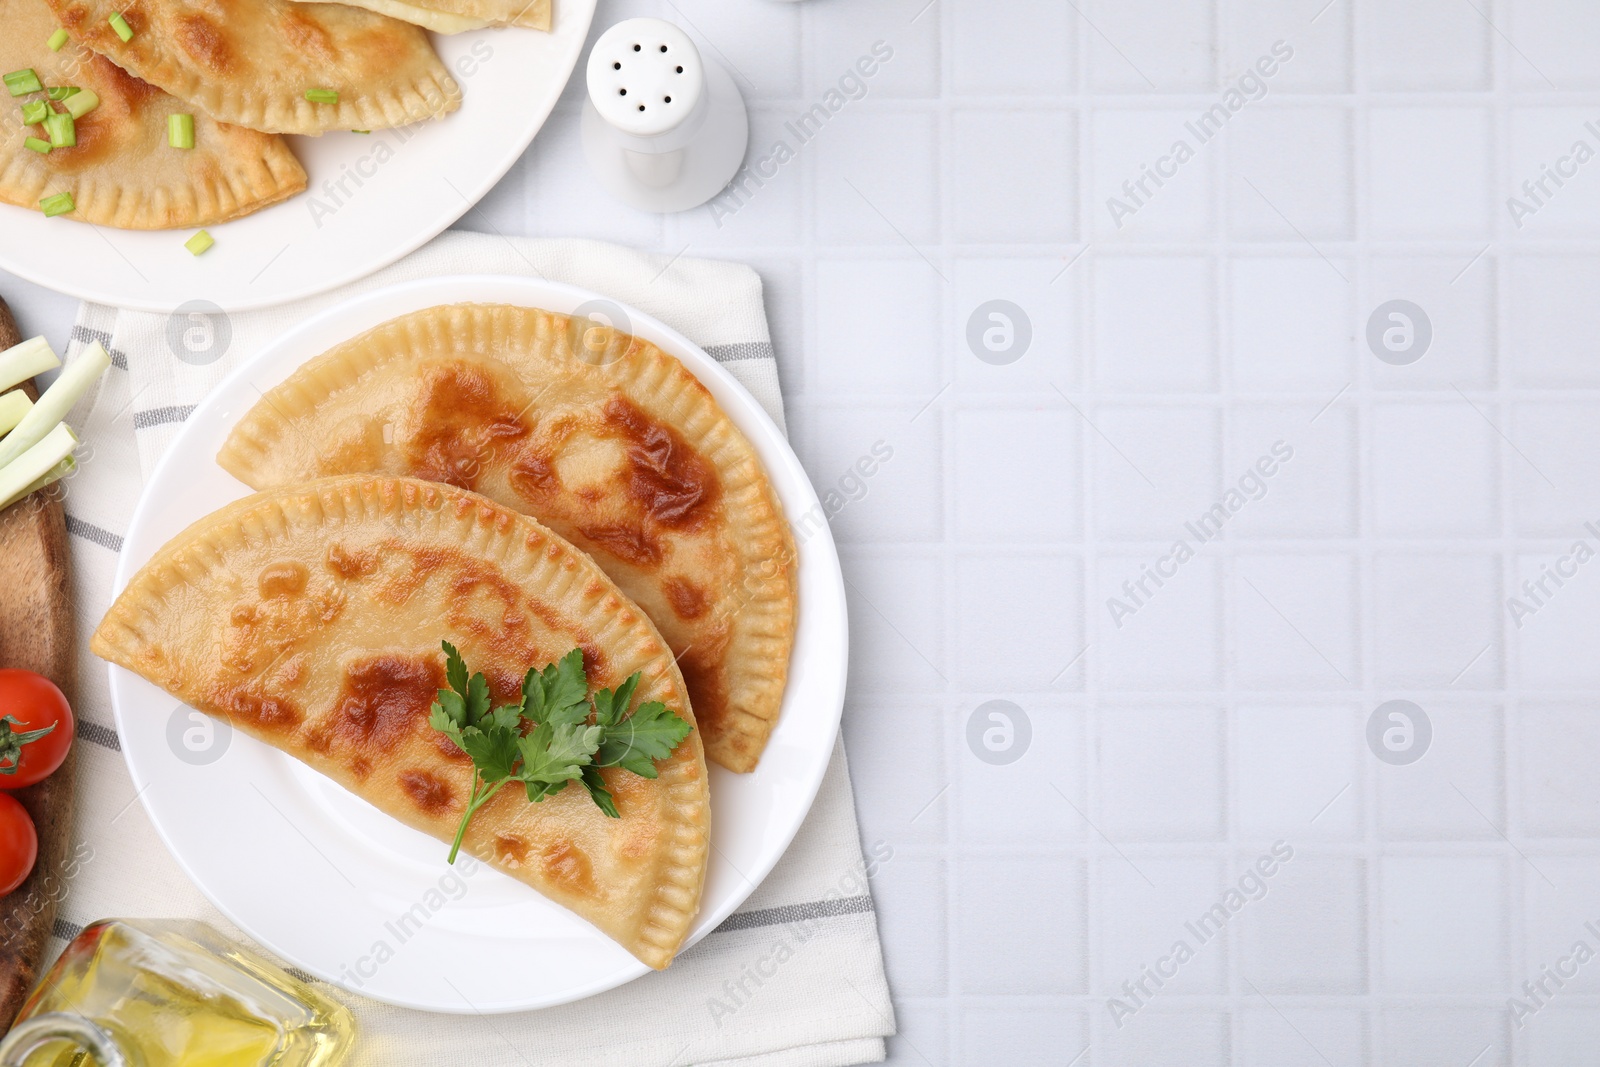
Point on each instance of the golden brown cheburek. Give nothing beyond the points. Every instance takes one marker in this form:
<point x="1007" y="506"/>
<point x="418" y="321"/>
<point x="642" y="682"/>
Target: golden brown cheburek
<point x="122" y="172"/>
<point x="251" y="62"/>
<point x="311" y="618"/>
<point x="458" y="16"/>
<point x="604" y="438"/>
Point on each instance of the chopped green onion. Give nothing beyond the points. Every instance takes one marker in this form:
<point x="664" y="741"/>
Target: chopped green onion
<point x="180" y="131"/>
<point x="13" y="406"/>
<point x="54" y="403"/>
<point x="35" y="112"/>
<point x="62" y="130"/>
<point x="23" y="361"/>
<point x="360" y="131"/>
<point x="36" y="463"/>
<point x="322" y="96"/>
<point x="60" y="92"/>
<point x="120" y="24"/>
<point x="60" y="204"/>
<point x="58" y="40"/>
<point x="41" y="147"/>
<point x="23" y="82"/>
<point x="200" y="243"/>
<point x="82" y="102"/>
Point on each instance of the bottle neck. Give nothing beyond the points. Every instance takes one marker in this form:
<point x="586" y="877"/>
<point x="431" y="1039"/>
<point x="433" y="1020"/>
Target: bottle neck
<point x="30" y="1035"/>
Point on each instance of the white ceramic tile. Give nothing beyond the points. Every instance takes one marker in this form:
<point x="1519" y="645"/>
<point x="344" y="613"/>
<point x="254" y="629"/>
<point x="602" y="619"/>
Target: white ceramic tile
<point x="1017" y="475"/>
<point x="899" y="35"/>
<point x="1554" y="478"/>
<point x="1558" y="891"/>
<point x="1012" y="48"/>
<point x="1296" y="621"/>
<point x="899" y="744"/>
<point x="1299" y="1037"/>
<point x="1040" y="796"/>
<point x="763" y="204"/>
<point x="896" y="614"/>
<point x="1145" y="908"/>
<point x="1552" y="47"/>
<point x="1425" y="44"/>
<point x="1555" y="620"/>
<point x="909" y="892"/>
<point x="1012" y="176"/>
<point x="1436" y="620"/>
<point x="1291" y="324"/>
<point x="1552" y="314"/>
<point x="1161" y="772"/>
<point x="1562" y="1034"/>
<point x="878" y="474"/>
<point x="1169" y="640"/>
<point x="876" y="328"/>
<point x="921" y="1038"/>
<point x="1560" y="794"/>
<point x="1429" y="172"/>
<point x="1018" y="617"/>
<point x="1295" y="769"/>
<point x="877" y="179"/>
<point x="1316" y="31"/>
<point x="1443" y="923"/>
<point x="1047" y="292"/>
<point x="1433" y="468"/>
<point x="1154" y="469"/>
<point x="1457" y="789"/>
<point x="1162" y="1037"/>
<point x="1002" y="1037"/>
<point x="1147" y="182"/>
<point x="573" y="209"/>
<point x="1551" y="192"/>
<point x="1147" y="46"/>
<point x="1154" y="323"/>
<point x="1444" y="1037"/>
<point x="739" y="36"/>
<point x="1289" y="175"/>
<point x="1308" y="933"/>
<point x="1312" y="492"/>
<point x="1457" y="294"/>
<point x="1005" y="942"/>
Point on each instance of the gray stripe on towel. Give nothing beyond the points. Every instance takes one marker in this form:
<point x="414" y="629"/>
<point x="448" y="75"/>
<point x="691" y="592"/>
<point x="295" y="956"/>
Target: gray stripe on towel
<point x="793" y="913"/>
<point x="143" y="420"/>
<point x="104" y="736"/>
<point x="90" y="532"/>
<point x="742" y="350"/>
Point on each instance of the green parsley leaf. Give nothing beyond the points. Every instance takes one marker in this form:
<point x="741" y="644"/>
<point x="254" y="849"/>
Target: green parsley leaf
<point x="548" y="739"/>
<point x="610" y="707"/>
<point x="596" y="786"/>
<point x="554" y="755"/>
<point x="649" y="734"/>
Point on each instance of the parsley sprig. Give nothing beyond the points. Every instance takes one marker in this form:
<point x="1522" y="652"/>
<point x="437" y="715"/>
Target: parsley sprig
<point x="557" y="734"/>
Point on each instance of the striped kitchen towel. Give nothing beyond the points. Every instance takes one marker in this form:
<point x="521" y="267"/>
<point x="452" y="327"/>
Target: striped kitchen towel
<point x="794" y="980"/>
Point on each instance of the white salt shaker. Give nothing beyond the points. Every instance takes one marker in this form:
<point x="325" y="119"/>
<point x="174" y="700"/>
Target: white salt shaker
<point x="663" y="129"/>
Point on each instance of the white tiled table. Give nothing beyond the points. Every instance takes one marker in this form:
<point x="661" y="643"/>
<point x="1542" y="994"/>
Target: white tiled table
<point x="1230" y="312"/>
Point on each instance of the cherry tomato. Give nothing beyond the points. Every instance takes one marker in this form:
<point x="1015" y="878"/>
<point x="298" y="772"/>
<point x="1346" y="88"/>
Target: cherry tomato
<point x="30" y="704"/>
<point x="19" y="843"/>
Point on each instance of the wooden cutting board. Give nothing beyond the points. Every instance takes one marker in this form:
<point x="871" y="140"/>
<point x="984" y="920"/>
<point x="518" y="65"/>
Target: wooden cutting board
<point x="36" y="633"/>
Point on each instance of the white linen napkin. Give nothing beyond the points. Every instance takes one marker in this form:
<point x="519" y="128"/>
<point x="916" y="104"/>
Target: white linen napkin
<point x="795" y="979"/>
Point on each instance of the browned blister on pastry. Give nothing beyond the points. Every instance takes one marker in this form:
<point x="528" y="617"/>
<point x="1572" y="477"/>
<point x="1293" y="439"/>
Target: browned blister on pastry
<point x="311" y="618"/>
<point x="604" y="438"/>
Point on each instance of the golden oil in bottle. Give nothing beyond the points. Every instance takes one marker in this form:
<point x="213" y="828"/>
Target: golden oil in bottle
<point x="158" y="993"/>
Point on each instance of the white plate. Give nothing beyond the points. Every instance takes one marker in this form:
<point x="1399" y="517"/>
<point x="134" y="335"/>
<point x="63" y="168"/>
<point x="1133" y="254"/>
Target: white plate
<point x="400" y="189"/>
<point x="322" y="878"/>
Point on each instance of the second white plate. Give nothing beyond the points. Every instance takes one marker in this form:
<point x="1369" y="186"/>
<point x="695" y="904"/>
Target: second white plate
<point x="372" y="198"/>
<point x="341" y="890"/>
